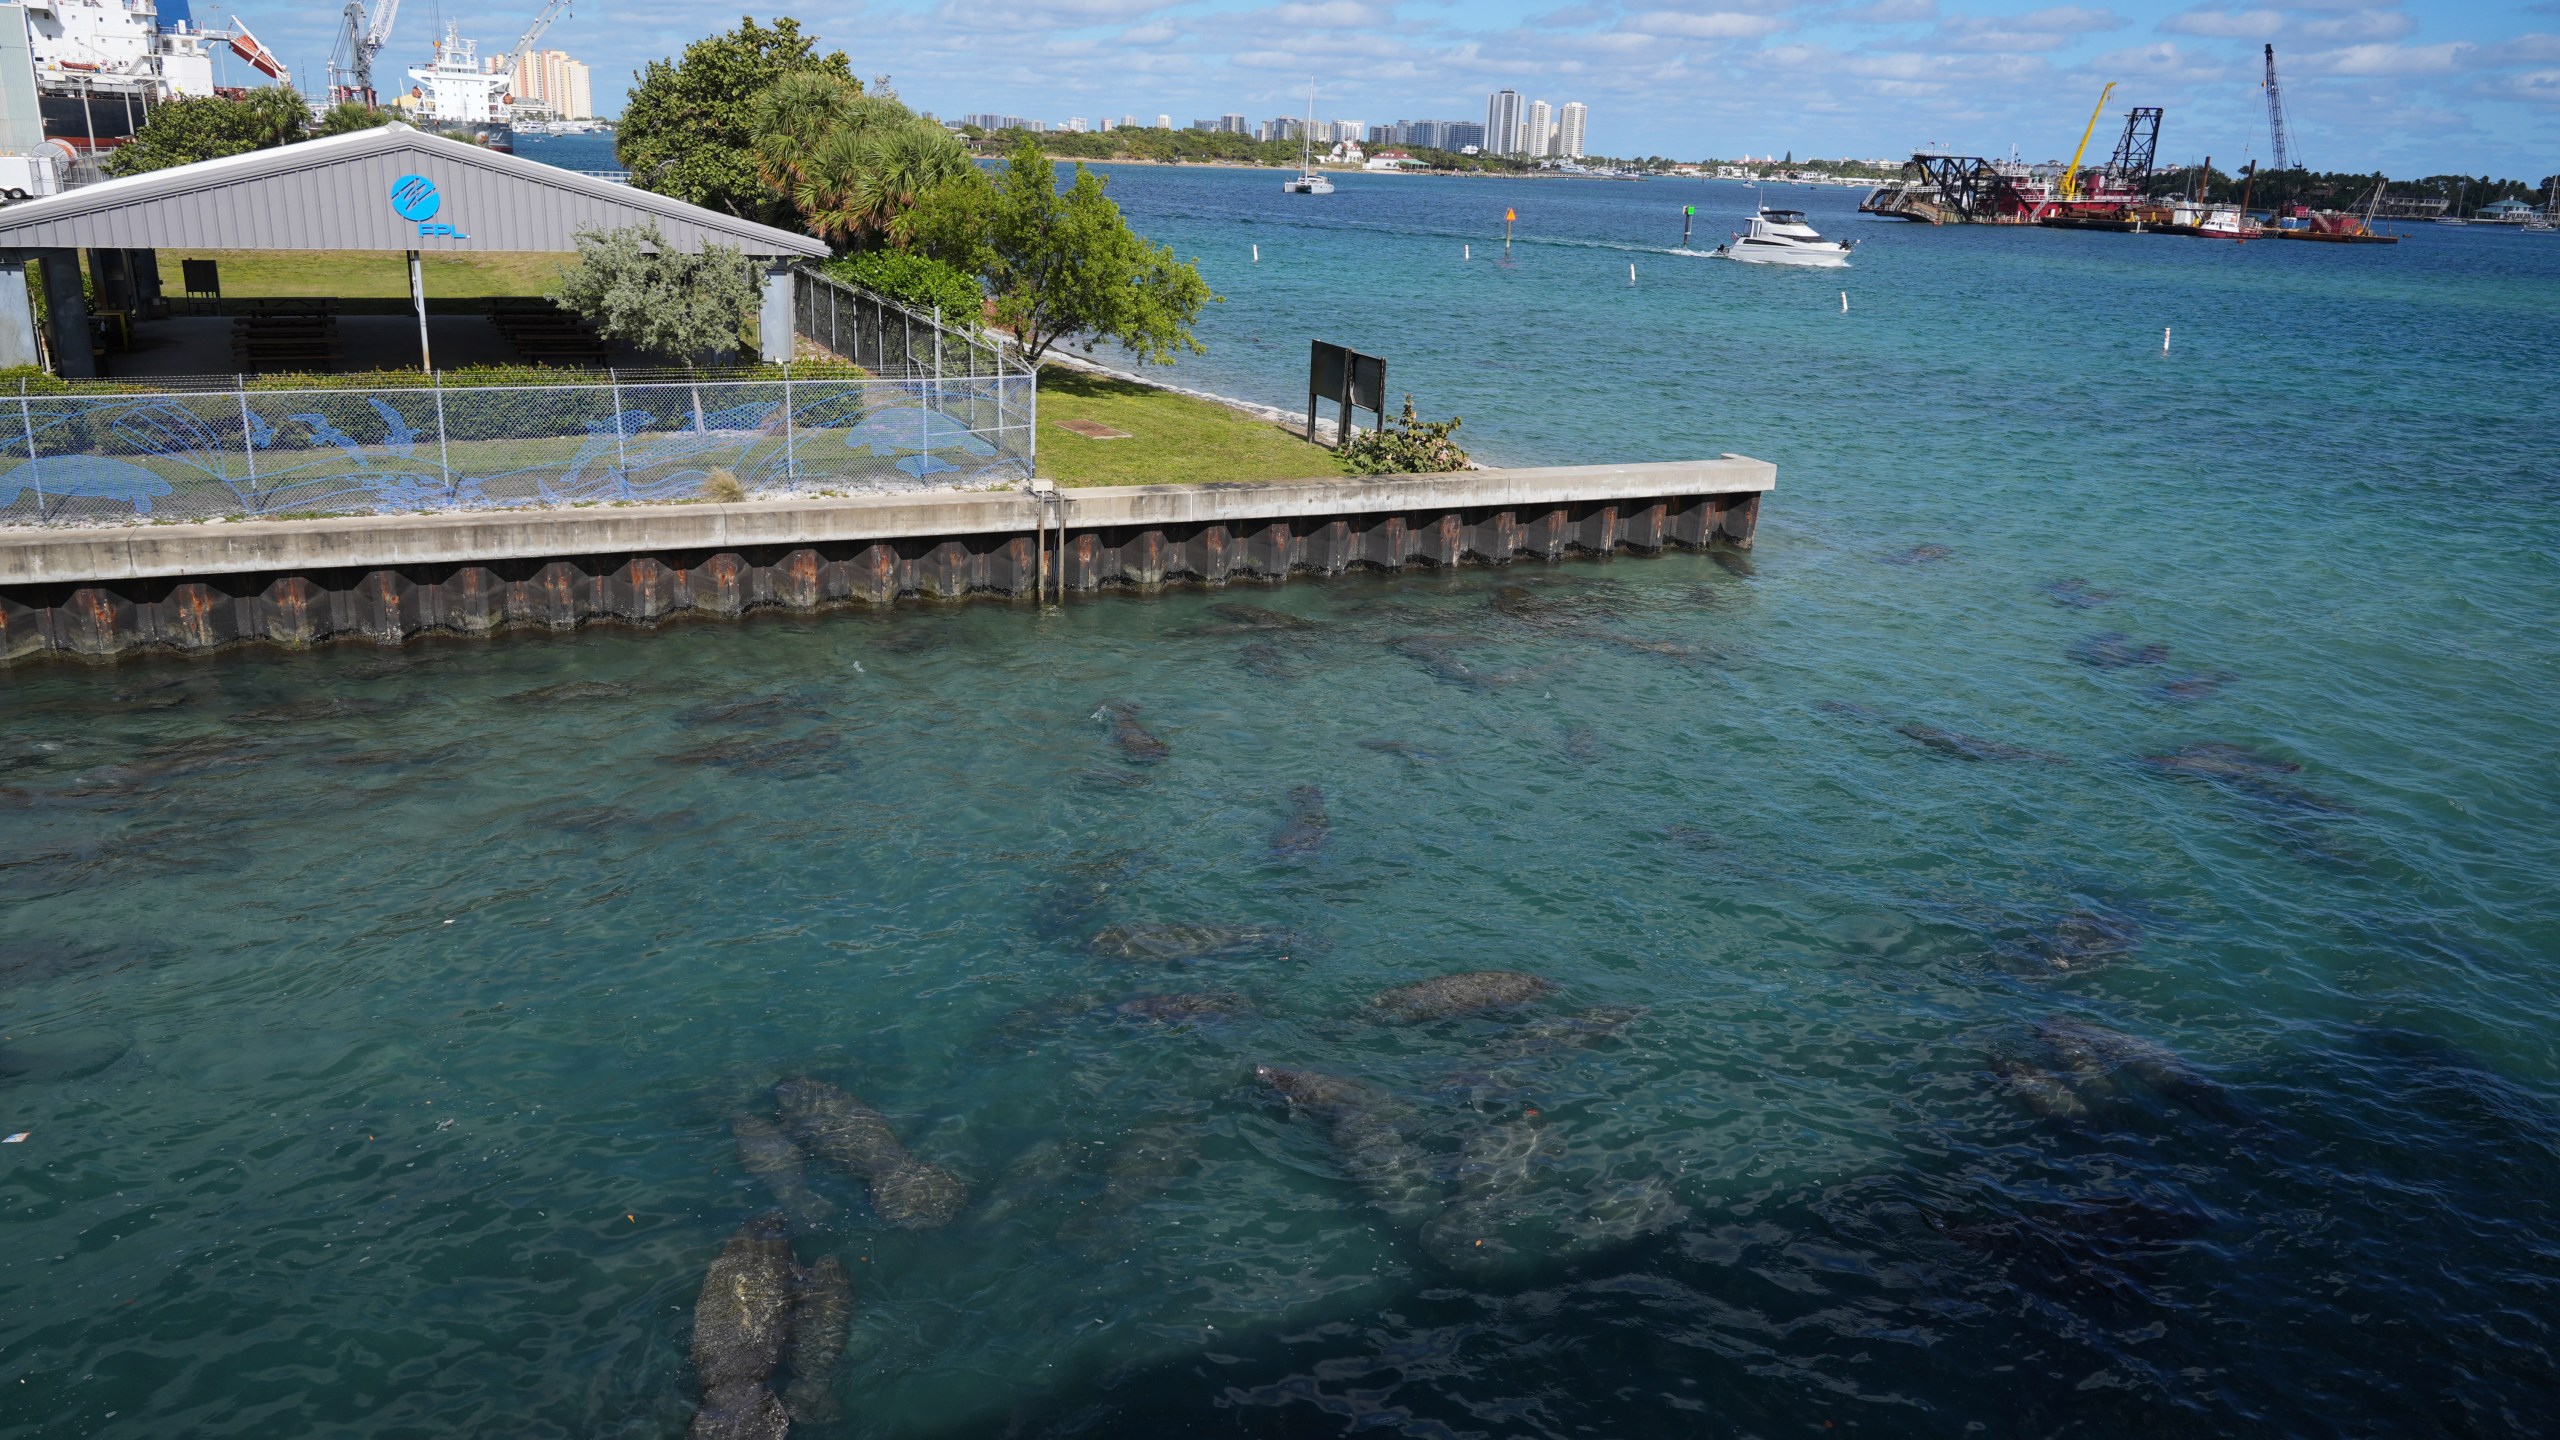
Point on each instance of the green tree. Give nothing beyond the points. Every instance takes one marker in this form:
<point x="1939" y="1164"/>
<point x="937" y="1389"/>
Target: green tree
<point x="208" y="127"/>
<point x="687" y="129"/>
<point x="347" y="117"/>
<point x="632" y="288"/>
<point x="1066" y="265"/>
<point x="849" y="162"/>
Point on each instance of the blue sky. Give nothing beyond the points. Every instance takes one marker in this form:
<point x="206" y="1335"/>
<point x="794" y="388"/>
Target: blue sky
<point x="2412" y="86"/>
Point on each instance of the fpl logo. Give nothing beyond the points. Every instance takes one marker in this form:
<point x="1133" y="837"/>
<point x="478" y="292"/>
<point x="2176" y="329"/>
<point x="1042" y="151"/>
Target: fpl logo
<point x="414" y="198"/>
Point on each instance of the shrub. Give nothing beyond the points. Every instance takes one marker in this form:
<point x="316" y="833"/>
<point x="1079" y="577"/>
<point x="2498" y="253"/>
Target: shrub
<point x="917" y="280"/>
<point x="1413" y="446"/>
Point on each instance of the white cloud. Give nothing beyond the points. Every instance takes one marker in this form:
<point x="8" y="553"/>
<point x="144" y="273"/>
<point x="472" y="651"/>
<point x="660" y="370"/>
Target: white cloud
<point x="1332" y="15"/>
<point x="2390" y="60"/>
<point x="1716" y="25"/>
<point x="2036" y="30"/>
<point x="1893" y="12"/>
<point x="2355" y="25"/>
<point x="2225" y="24"/>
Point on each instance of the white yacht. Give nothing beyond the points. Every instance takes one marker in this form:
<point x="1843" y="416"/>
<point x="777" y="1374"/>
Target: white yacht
<point x="1781" y="237"/>
<point x="1307" y="181"/>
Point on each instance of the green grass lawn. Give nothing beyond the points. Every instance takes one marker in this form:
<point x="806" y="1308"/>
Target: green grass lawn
<point x="1173" y="439"/>
<point x="365" y="275"/>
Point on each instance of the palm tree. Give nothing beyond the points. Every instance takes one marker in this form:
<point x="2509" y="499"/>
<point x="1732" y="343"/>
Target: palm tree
<point x="854" y="180"/>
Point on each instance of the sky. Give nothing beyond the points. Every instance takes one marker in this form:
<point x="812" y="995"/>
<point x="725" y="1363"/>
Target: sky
<point x="2408" y="86"/>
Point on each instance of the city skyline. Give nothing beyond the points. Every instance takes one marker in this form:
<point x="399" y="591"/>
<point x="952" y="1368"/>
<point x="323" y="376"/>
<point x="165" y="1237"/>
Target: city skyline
<point x="2410" y="86"/>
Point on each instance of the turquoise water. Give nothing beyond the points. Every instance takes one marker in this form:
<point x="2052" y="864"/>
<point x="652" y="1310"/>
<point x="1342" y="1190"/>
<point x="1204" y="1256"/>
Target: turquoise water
<point x="378" y="1018"/>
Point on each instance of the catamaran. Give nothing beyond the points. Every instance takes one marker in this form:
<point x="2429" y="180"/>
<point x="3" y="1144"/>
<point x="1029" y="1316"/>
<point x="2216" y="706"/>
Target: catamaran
<point x="1307" y="181"/>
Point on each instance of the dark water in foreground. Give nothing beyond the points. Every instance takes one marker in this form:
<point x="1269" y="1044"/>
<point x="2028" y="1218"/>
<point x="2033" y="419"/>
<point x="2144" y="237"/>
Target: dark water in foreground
<point x="1983" y="1003"/>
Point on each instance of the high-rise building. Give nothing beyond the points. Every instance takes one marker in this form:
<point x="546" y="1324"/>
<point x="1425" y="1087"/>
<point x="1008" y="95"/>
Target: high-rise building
<point x="1539" y="128"/>
<point x="550" y="83"/>
<point x="1233" y="125"/>
<point x="1164" y="122"/>
<point x="1570" y="127"/>
<point x="1502" y="122"/>
<point x="1459" y="134"/>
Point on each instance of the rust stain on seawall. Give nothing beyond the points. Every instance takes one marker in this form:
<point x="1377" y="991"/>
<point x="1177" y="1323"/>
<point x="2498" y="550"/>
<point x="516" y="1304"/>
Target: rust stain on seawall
<point x="197" y="587"/>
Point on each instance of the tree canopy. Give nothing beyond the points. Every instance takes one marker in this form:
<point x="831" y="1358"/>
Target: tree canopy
<point x="632" y="288"/>
<point x="688" y="129"/>
<point x="208" y="127"/>
<point x="849" y="162"/>
<point x="1063" y="265"/>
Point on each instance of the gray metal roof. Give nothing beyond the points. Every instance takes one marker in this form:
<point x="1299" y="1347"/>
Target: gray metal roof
<point x="337" y="194"/>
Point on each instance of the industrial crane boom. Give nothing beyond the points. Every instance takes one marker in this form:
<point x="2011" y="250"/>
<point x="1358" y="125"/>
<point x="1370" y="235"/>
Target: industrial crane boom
<point x="2071" y="177"/>
<point x="533" y="33"/>
<point x="379" y="32"/>
<point x="2275" y="114"/>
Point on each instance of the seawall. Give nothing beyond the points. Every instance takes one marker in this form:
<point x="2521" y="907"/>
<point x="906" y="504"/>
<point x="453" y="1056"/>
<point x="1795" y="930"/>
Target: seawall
<point x="105" y="592"/>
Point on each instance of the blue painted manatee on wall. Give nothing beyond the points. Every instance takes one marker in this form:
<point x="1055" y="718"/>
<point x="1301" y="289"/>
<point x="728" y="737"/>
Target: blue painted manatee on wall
<point x="85" y="477"/>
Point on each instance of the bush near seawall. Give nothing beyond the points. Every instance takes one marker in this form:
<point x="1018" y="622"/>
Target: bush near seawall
<point x="919" y="281"/>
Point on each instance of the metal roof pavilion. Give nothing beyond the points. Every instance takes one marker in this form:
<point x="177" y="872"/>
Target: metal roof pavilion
<point x="339" y="194"/>
<point x="393" y="189"/>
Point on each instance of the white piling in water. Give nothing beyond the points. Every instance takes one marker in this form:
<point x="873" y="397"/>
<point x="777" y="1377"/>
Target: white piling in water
<point x="1257" y="254"/>
<point x="1466" y="252"/>
<point x="2164" y="339"/>
<point x="1631" y="274"/>
<point x="1844" y="302"/>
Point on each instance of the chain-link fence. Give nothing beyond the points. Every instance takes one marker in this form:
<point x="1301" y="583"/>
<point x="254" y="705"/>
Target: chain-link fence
<point x="237" y="454"/>
<point x="845" y="322"/>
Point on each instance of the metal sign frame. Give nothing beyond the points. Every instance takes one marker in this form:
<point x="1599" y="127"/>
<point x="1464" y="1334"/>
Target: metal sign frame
<point x="1348" y="378"/>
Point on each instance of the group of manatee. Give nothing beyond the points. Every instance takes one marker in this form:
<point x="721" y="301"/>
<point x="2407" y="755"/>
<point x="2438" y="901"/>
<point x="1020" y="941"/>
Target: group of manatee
<point x="761" y="1313"/>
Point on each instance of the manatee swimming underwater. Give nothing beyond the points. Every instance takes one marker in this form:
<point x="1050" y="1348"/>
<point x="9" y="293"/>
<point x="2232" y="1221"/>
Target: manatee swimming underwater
<point x="1921" y="555"/>
<point x="821" y="1311"/>
<point x="1257" y="617"/>
<point x="2037" y="1088"/>
<point x="1150" y="1159"/>
<point x="1498" y="1167"/>
<point x="1168" y="943"/>
<point x="1140" y="747"/>
<point x="2076" y="594"/>
<point x="2101" y="1056"/>
<point x="1373" y="1151"/>
<point x="1972" y="747"/>
<point x="1463" y="994"/>
<point x="1308" y="827"/>
<point x="2115" y="650"/>
<point x="1552" y="1033"/>
<point x="1183" y="1009"/>
<point x="855" y="1138"/>
<point x="739" y="1324"/>
<point x="768" y="1154"/>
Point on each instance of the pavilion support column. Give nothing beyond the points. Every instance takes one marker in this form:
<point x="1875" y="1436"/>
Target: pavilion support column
<point x="774" y="321"/>
<point x="66" y="317"/>
<point x="17" y="317"/>
<point x="418" y="296"/>
<point x="144" y="267"/>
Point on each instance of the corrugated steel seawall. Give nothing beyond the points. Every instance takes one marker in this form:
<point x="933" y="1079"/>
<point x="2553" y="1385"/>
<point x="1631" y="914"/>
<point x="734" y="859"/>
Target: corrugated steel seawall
<point x="102" y="594"/>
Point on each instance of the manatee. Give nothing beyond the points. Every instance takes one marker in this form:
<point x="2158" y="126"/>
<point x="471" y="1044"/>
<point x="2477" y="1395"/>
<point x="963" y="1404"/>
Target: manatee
<point x="1257" y="617"/>
<point x="739" y="1321"/>
<point x="1183" y="1009"/>
<point x="2076" y="594"/>
<point x="1660" y="649"/>
<point x="2217" y="760"/>
<point x="768" y="1154"/>
<point x="2037" y="1088"/>
<point x="1404" y="750"/>
<point x="1463" y="994"/>
<point x="1308" y="827"/>
<point x="1154" y="1156"/>
<point x="2103" y="1056"/>
<point x="821" y="1311"/>
<point x="1438" y="657"/>
<point x="2187" y="689"/>
<point x="1920" y="555"/>
<point x="2115" y="650"/>
<point x="1693" y="837"/>
<point x="1498" y="1166"/>
<point x="760" y="757"/>
<point x="1263" y="659"/>
<point x="1114" y="777"/>
<point x="1373" y="1151"/>
<point x="1551" y="1033"/>
<point x="1581" y="743"/>
<point x="574" y="692"/>
<point x="1167" y="943"/>
<point x="746" y="1410"/>
<point x="1732" y="562"/>
<point x="1625" y="1210"/>
<point x="2083" y="939"/>
<point x="91" y="477"/>
<point x="1972" y="747"/>
<point x="751" y="710"/>
<point x="850" y="1135"/>
<point x="1139" y="747"/>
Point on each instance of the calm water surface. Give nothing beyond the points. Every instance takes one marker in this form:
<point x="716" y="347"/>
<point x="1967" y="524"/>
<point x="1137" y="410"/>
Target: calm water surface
<point x="1983" y="1003"/>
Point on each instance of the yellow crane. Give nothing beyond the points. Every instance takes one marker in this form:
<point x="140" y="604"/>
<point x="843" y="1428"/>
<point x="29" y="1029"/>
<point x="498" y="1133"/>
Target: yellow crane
<point x="2071" y="177"/>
